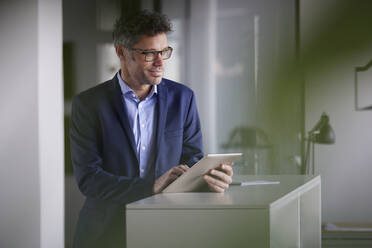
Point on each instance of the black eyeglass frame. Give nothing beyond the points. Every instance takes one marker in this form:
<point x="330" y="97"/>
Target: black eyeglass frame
<point x="154" y="53"/>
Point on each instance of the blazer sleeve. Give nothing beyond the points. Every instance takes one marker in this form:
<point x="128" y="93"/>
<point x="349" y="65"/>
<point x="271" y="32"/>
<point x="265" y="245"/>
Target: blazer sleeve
<point x="92" y="179"/>
<point x="192" y="148"/>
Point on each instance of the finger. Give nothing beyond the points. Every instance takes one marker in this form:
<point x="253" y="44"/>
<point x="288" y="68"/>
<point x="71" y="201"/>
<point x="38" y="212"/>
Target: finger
<point x="213" y="187"/>
<point x="226" y="169"/>
<point x="183" y="167"/>
<point x="186" y="167"/>
<point x="213" y="182"/>
<point x="229" y="163"/>
<point x="177" y="171"/>
<point x="221" y="176"/>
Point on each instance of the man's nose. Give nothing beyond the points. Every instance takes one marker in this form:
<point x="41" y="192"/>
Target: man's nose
<point x="158" y="59"/>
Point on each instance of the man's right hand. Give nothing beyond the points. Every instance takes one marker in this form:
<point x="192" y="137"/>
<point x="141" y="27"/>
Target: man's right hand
<point x="168" y="177"/>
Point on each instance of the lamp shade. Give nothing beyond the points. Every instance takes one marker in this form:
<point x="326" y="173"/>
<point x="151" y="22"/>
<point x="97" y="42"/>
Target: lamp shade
<point x="323" y="132"/>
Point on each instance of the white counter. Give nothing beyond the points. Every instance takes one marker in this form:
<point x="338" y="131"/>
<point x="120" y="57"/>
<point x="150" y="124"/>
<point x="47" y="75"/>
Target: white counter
<point x="286" y="215"/>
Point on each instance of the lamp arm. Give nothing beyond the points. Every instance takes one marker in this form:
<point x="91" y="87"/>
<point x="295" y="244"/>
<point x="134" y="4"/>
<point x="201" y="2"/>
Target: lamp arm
<point x="307" y="155"/>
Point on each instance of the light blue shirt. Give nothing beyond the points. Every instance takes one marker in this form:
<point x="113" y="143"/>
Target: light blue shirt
<point x="143" y="121"/>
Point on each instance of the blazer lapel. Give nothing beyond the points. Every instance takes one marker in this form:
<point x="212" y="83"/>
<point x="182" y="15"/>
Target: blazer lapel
<point x="162" y="116"/>
<point x="118" y="105"/>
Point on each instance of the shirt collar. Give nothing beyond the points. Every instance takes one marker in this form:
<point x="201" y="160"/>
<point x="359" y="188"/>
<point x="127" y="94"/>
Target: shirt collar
<point x="125" y="89"/>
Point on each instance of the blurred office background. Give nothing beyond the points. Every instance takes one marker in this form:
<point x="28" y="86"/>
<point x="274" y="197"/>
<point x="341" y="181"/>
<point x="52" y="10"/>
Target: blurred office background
<point x="263" y="72"/>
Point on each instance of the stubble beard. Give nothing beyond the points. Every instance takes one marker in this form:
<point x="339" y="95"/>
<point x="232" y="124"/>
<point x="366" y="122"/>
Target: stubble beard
<point x="156" y="81"/>
<point x="152" y="80"/>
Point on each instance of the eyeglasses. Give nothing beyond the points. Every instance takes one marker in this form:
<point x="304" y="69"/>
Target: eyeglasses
<point x="152" y="55"/>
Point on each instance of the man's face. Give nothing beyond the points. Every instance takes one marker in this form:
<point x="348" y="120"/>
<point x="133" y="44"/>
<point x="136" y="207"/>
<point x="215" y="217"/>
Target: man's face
<point x="136" y="70"/>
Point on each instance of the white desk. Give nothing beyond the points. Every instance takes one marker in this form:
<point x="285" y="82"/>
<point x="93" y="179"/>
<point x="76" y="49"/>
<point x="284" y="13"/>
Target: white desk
<point x="281" y="215"/>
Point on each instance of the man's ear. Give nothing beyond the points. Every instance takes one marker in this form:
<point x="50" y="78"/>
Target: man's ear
<point x="120" y="52"/>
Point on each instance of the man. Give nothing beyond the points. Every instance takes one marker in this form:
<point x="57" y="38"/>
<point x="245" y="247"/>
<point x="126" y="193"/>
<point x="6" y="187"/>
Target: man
<point x="134" y="134"/>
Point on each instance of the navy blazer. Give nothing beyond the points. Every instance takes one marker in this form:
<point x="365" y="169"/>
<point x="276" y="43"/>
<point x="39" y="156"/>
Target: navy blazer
<point x="104" y="158"/>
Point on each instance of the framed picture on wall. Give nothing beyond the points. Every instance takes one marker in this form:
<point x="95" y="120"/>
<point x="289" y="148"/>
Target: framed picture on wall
<point x="363" y="87"/>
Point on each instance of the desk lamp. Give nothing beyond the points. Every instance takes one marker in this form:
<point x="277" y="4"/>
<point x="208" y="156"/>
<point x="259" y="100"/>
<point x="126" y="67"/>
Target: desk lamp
<point x="322" y="133"/>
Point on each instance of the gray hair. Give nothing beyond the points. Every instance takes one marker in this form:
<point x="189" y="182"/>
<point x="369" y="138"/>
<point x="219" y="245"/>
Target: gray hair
<point x="127" y="30"/>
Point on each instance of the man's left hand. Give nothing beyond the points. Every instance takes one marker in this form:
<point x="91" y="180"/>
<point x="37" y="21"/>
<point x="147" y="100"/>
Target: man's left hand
<point x="218" y="179"/>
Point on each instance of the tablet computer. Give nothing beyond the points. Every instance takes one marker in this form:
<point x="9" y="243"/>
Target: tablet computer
<point x="192" y="179"/>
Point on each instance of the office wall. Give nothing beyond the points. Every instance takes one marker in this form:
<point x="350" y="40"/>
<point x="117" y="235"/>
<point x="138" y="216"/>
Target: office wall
<point x="335" y="38"/>
<point x="31" y="127"/>
<point x="19" y="184"/>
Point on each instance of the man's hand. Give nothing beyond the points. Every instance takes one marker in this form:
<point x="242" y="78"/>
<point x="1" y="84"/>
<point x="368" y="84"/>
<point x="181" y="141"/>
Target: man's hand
<point x="168" y="177"/>
<point x="218" y="179"/>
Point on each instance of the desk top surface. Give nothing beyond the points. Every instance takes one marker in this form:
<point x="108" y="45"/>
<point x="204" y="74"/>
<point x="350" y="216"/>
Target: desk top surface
<point x="252" y="196"/>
